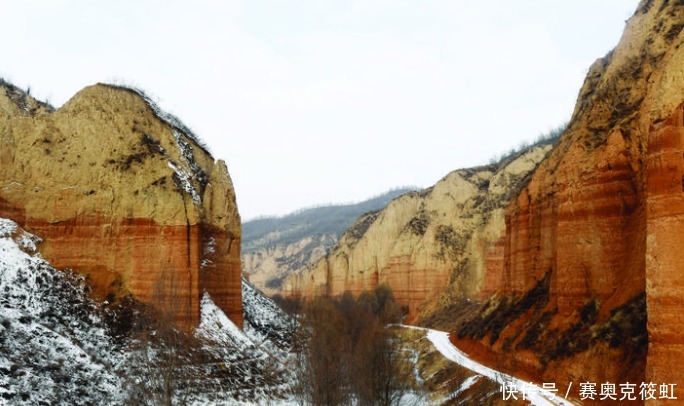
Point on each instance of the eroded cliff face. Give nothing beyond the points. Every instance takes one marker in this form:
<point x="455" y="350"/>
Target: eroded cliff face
<point x="275" y="247"/>
<point x="268" y="265"/>
<point x="664" y="258"/>
<point x="428" y="246"/>
<point x="123" y="193"/>
<point x="592" y="243"/>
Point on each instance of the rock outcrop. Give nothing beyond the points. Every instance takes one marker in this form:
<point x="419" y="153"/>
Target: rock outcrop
<point x="125" y="194"/>
<point x="269" y="264"/>
<point x="664" y="257"/>
<point x="425" y="245"/>
<point x="584" y="282"/>
<point x="592" y="253"/>
<point x="275" y="247"/>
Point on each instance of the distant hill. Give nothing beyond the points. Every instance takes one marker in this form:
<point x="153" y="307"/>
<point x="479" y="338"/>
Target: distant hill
<point x="274" y="247"/>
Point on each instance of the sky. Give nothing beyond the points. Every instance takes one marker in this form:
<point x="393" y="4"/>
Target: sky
<point x="323" y="101"/>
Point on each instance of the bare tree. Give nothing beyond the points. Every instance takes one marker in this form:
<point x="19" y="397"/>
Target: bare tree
<point x="346" y="354"/>
<point x="383" y="374"/>
<point x="322" y="362"/>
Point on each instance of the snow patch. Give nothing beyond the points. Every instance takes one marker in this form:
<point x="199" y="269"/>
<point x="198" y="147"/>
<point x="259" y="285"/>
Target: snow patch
<point x="53" y="347"/>
<point x="210" y="246"/>
<point x="217" y="327"/>
<point x="26" y="241"/>
<point x="184" y="179"/>
<point x="7" y="227"/>
<point x="265" y="321"/>
<point x="208" y="249"/>
<point x="467" y="384"/>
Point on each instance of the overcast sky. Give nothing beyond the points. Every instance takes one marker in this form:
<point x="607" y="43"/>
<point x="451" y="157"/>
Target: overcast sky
<point x="316" y="101"/>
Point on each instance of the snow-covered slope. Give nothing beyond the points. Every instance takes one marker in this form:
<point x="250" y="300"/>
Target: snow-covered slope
<point x="56" y="348"/>
<point x="53" y="345"/>
<point x="256" y="371"/>
<point x="264" y="321"/>
<point x="534" y="394"/>
<point x="215" y="326"/>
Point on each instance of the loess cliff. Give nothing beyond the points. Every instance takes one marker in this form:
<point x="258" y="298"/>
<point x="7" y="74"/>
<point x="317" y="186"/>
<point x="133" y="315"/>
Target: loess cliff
<point x="269" y="264"/>
<point x="590" y="287"/>
<point x="125" y="194"/>
<point x="427" y="246"/>
<point x="275" y="247"/>
<point x="566" y="271"/>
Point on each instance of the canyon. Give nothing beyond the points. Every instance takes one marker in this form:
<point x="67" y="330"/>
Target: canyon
<point x="559" y="263"/>
<point x="423" y="244"/>
<point x="275" y="247"/>
<point x="570" y="271"/>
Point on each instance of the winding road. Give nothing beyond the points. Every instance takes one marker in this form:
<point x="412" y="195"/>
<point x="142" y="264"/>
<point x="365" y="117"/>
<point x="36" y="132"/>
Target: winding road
<point x="533" y="393"/>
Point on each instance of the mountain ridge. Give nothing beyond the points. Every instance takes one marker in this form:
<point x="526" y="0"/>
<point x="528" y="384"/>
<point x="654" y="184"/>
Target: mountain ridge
<point x="420" y="239"/>
<point x="275" y="247"/>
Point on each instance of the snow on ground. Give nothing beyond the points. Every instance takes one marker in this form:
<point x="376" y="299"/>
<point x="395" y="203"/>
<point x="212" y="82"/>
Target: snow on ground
<point x="53" y="347"/>
<point x="265" y="322"/>
<point x="466" y="385"/>
<point x="26" y="241"/>
<point x="535" y="395"/>
<point x="217" y="327"/>
<point x="257" y="371"/>
<point x="416" y="372"/>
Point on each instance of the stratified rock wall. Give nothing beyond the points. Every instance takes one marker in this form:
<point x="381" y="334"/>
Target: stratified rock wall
<point x="125" y="194"/>
<point x="584" y="281"/>
<point x="664" y="256"/>
<point x="426" y="246"/>
<point x="268" y="264"/>
<point x="602" y="217"/>
<point x="275" y="247"/>
<point x="583" y="225"/>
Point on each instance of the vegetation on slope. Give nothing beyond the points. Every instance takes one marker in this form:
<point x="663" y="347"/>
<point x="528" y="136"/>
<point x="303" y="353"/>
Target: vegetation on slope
<point x="324" y="220"/>
<point x="346" y="355"/>
<point x="273" y="248"/>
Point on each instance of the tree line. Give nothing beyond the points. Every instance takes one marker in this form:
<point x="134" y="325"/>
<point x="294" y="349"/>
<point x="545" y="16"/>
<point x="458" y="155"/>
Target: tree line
<point x="344" y="352"/>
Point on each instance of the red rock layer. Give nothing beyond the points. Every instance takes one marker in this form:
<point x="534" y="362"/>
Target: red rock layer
<point x="604" y="214"/>
<point x="665" y="252"/>
<point x="583" y="224"/>
<point x="218" y="270"/>
<point x="587" y="226"/>
<point x="411" y="286"/>
<point x="605" y="236"/>
<point x="125" y="198"/>
<point x="429" y="247"/>
<point x="494" y="264"/>
<point x="167" y="265"/>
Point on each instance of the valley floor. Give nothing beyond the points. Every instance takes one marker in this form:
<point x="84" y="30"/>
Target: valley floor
<point x="516" y="389"/>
